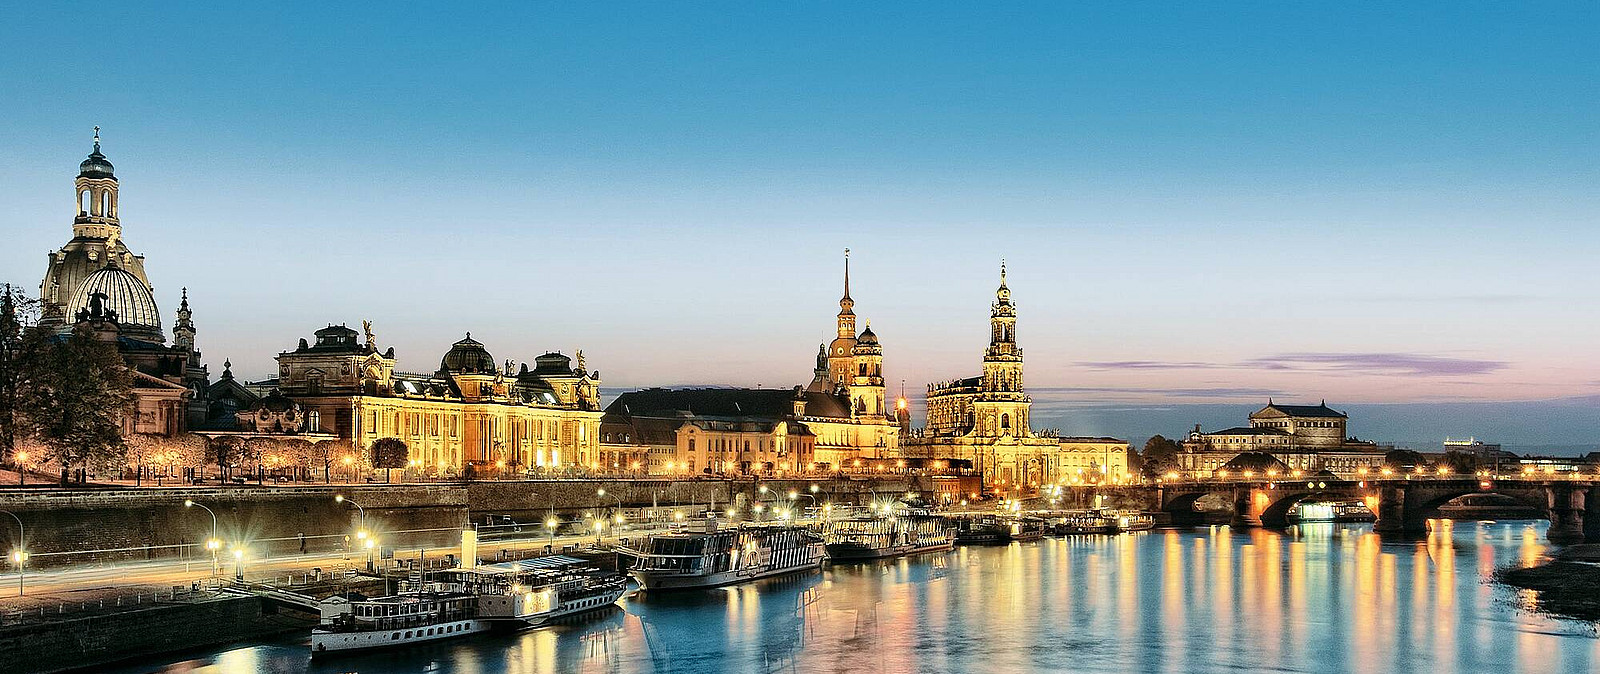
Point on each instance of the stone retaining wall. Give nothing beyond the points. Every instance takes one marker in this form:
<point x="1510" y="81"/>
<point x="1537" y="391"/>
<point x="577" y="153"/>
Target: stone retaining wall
<point x="88" y="526"/>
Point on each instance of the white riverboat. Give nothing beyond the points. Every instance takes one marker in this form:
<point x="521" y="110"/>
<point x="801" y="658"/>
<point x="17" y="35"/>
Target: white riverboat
<point x="457" y="602"/>
<point x="904" y="532"/>
<point x="706" y="554"/>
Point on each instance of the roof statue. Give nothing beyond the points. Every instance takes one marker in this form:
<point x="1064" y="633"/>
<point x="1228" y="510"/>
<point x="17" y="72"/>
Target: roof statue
<point x="372" y="341"/>
<point x="581" y="366"/>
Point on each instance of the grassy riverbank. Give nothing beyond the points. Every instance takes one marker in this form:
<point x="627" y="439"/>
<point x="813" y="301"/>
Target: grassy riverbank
<point x="1568" y="585"/>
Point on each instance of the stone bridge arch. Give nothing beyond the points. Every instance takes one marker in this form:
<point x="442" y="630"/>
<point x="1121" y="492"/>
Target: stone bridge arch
<point x="1406" y="507"/>
<point x="1276" y="513"/>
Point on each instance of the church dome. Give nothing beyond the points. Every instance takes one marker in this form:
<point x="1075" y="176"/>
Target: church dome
<point x="96" y="166"/>
<point x="867" y="336"/>
<point x="122" y="292"/>
<point x="468" y="357"/>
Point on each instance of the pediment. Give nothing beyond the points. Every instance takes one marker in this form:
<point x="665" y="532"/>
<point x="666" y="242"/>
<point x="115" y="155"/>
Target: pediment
<point x="142" y="380"/>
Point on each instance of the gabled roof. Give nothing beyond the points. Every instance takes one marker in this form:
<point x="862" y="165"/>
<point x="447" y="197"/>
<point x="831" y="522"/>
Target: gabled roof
<point x="1259" y="461"/>
<point x="641" y="430"/>
<point x="1248" y="430"/>
<point x="727" y="403"/>
<point x="1322" y="411"/>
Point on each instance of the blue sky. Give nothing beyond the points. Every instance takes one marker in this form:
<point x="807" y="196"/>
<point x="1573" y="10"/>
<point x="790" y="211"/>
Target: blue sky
<point x="1199" y="203"/>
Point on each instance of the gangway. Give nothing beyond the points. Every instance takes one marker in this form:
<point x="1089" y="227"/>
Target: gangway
<point x="279" y="595"/>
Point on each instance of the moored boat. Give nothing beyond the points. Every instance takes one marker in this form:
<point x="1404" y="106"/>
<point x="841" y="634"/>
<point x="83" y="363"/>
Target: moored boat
<point x="981" y="530"/>
<point x="1084" y="524"/>
<point x="709" y="554"/>
<point x="907" y="531"/>
<point x="446" y="604"/>
<point x="1025" y="528"/>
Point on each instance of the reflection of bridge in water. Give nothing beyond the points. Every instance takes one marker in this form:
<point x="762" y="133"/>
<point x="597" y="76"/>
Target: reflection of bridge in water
<point x="1402" y="505"/>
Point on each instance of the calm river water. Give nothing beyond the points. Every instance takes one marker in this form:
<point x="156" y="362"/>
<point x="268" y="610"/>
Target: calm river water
<point x="1317" y="598"/>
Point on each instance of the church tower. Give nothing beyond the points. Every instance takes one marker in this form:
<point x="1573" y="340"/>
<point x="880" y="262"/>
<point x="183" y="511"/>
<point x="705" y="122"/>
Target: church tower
<point x="866" y="383"/>
<point x="97" y="197"/>
<point x="183" y="330"/>
<point x="96" y="242"/>
<point x="841" y="353"/>
<point x="1001" y="407"/>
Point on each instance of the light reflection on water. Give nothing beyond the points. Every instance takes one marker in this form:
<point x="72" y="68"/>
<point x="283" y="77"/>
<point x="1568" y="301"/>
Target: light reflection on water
<point x="1318" y="598"/>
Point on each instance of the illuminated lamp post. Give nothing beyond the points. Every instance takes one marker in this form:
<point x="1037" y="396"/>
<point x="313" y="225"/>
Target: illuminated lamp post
<point x="361" y="533"/>
<point x="19" y="555"/>
<point x="213" y="544"/>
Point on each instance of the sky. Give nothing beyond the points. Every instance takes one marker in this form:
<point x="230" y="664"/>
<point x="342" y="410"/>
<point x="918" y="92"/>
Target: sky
<point x="1199" y="204"/>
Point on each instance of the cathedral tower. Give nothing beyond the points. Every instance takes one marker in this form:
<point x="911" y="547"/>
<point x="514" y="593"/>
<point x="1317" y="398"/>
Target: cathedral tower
<point x="1001" y="407"/>
<point x="841" y="353"/>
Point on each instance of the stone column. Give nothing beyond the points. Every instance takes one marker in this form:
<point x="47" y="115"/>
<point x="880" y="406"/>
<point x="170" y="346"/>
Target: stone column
<point x="1392" y="515"/>
<point x="1245" y="513"/>
<point x="1566" y="504"/>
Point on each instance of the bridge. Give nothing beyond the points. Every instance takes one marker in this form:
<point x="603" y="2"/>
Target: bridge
<point x="1402" y="504"/>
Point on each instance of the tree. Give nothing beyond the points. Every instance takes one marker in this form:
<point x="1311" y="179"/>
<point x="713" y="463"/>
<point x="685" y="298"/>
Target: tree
<point x="1460" y="462"/>
<point x="224" y="452"/>
<point x="1160" y="455"/>
<point x="153" y="453"/>
<point x="388" y="454"/>
<point x="78" y="391"/>
<point x="257" y="451"/>
<point x="19" y="347"/>
<point x="1404" y="460"/>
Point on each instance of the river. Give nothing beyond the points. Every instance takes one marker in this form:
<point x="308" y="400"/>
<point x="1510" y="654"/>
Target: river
<point x="1315" y="598"/>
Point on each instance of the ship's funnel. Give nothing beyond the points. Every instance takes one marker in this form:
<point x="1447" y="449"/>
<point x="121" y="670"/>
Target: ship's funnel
<point x="469" y="549"/>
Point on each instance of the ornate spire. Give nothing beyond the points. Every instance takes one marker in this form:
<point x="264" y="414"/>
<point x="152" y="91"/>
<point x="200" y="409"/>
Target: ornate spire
<point x="847" y="314"/>
<point x="96" y="165"/>
<point x="183" y="330"/>
<point x="845" y="303"/>
<point x="1002" y="295"/>
<point x="227" y="369"/>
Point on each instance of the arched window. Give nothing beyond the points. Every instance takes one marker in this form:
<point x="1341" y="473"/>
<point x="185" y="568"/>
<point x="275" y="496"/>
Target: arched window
<point x="1005" y="422"/>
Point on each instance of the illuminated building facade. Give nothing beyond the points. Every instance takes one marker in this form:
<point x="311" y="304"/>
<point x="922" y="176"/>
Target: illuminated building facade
<point x="1307" y="438"/>
<point x="986" y="420"/>
<point x="839" y="419"/>
<point x="470" y="413"/>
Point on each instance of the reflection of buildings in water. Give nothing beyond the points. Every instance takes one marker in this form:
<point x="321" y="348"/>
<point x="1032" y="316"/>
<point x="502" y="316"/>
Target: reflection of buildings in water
<point x="753" y="628"/>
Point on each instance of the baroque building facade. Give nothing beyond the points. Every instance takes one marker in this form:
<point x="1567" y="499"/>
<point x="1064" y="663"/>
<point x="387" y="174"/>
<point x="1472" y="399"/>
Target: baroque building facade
<point x="96" y="283"/>
<point x="471" y="414"/>
<point x="839" y="419"/>
<point x="1308" y="438"/>
<point x="986" y="420"/>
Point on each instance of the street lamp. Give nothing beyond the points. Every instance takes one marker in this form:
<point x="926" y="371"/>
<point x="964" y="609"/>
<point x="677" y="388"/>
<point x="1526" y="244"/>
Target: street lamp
<point x="794" y="495"/>
<point x="20" y="554"/>
<point x="361" y="533"/>
<point x="213" y="544"/>
<point x="551" y="524"/>
<point x="238" y="564"/>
